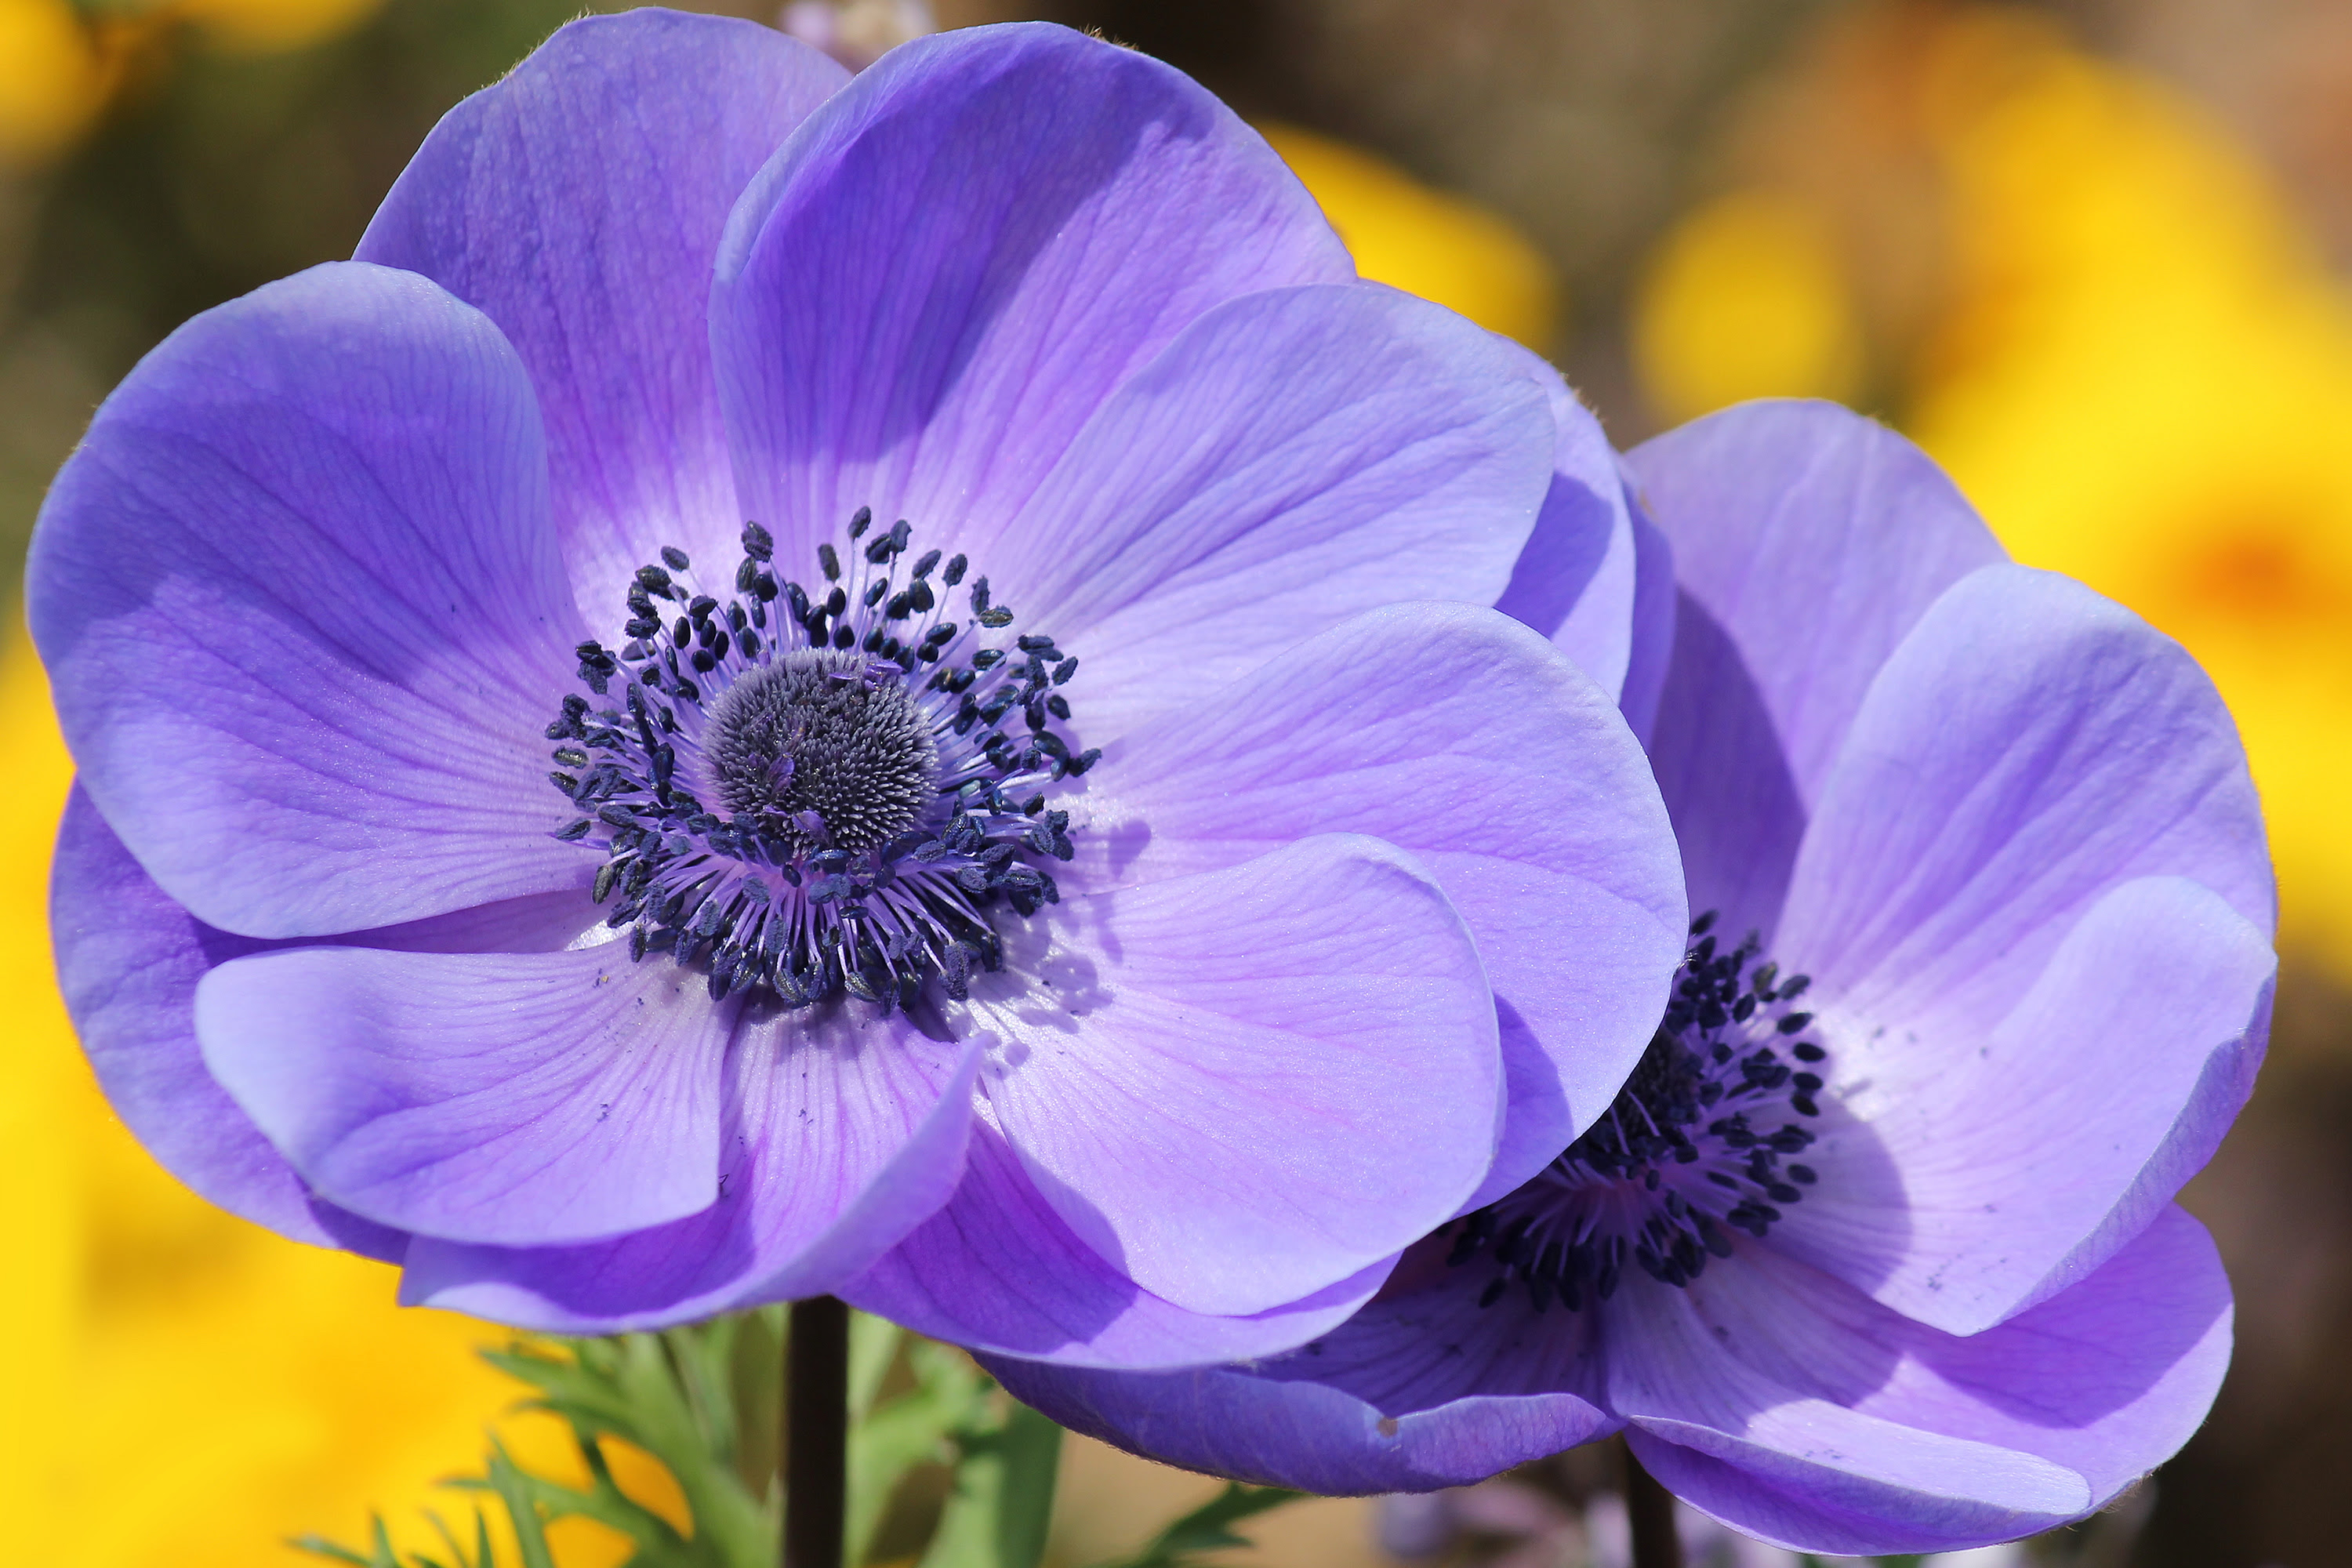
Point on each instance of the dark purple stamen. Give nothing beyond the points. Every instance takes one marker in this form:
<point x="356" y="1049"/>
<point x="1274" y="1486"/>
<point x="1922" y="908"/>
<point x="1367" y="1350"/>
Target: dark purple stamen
<point x="1682" y="1156"/>
<point x="809" y="798"/>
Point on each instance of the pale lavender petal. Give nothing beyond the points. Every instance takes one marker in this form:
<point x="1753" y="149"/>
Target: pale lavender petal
<point x="2030" y="746"/>
<point x="1421" y="1388"/>
<point x="1737" y="1373"/>
<point x="1815" y="539"/>
<point x="579" y="203"/>
<point x="511" y="1098"/>
<point x="1576" y="580"/>
<point x="127" y="962"/>
<point x="2126" y="1058"/>
<point x="1293" y="458"/>
<point x="1791" y="1408"/>
<point x="928" y="292"/>
<point x="1464" y="738"/>
<point x="836" y="1140"/>
<point x="1717" y="758"/>
<point x="1245" y="1086"/>
<point x="1654" y="626"/>
<point x="997" y="1270"/>
<point x="303" y="613"/>
<point x="1310" y="1436"/>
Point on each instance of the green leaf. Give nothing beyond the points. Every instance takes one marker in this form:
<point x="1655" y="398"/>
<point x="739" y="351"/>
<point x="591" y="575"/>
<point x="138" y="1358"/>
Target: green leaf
<point x="320" y="1546"/>
<point x="519" y="1490"/>
<point x="1003" y="1497"/>
<point x="1208" y="1528"/>
<point x="873" y="1346"/>
<point x="672" y="1395"/>
<point x="949" y="1396"/>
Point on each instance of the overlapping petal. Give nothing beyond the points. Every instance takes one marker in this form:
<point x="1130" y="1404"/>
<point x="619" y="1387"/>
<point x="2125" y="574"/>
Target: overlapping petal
<point x="997" y="1269"/>
<point x="929" y="291"/>
<point x="1794" y="1409"/>
<point x="834" y="1144"/>
<point x="1294" y="458"/>
<point x="1242" y="1085"/>
<point x="1461" y="737"/>
<point x="303" y="614"/>
<point x="1807" y="541"/>
<point x="129" y="959"/>
<point x="2133" y="1048"/>
<point x="495" y="1098"/>
<point x="1815" y="539"/>
<point x="2028" y="747"/>
<point x="1577" y="576"/>
<point x="1313" y="1435"/>
<point x="578" y="204"/>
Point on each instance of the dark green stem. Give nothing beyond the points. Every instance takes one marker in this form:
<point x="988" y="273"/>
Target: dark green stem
<point x="816" y="1433"/>
<point x="1650" y="1510"/>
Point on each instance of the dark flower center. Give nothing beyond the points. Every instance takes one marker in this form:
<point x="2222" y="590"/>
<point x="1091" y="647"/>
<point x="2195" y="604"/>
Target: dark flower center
<point x="1683" y="1154"/>
<point x="829" y="733"/>
<point x="871" y="801"/>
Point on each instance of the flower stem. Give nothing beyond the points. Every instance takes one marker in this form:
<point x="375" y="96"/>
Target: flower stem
<point x="816" y="1433"/>
<point x="1650" y="1510"/>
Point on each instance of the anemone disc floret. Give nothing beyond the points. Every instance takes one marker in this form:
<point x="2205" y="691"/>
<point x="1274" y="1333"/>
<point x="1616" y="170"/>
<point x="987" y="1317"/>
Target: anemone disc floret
<point x="1701" y="1141"/>
<point x="810" y="794"/>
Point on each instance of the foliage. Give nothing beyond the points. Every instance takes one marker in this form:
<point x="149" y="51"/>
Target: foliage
<point x="1208" y="1528"/>
<point x="703" y="1401"/>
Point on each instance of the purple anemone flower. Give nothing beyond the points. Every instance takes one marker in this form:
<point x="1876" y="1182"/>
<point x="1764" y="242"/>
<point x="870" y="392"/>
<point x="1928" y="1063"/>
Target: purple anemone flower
<point x="775" y="637"/>
<point x="1875" y="1251"/>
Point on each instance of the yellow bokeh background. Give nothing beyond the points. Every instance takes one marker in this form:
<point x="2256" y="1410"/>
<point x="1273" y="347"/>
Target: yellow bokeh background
<point x="2119" y="342"/>
<point x="2137" y="364"/>
<point x="58" y="68"/>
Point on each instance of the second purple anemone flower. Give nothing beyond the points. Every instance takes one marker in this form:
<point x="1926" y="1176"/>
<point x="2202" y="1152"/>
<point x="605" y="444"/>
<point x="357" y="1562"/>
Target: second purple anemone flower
<point x="778" y="640"/>
<point x="1875" y="1250"/>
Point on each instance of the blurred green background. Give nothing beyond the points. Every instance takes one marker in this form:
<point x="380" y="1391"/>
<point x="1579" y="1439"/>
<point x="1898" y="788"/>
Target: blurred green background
<point x="2093" y="256"/>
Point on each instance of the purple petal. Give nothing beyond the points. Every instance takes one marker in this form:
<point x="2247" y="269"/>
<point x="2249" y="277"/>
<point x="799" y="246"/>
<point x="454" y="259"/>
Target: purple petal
<point x="835" y="1142"/>
<point x="2029" y="747"/>
<point x="1794" y="1409"/>
<point x="1736" y="810"/>
<point x="510" y="1099"/>
<point x="1422" y="1388"/>
<point x="1653" y="631"/>
<point x="1808" y="540"/>
<point x="1310" y="1436"/>
<point x="1456" y="734"/>
<point x="1575" y="581"/>
<point x="579" y="204"/>
<point x="1734" y="1418"/>
<point x="996" y="1269"/>
<point x="303" y="614"/>
<point x="1245" y="1086"/>
<point x="1815" y="538"/>
<point x="929" y="291"/>
<point x="127" y="961"/>
<point x="1293" y="458"/>
<point x="1971" y="1170"/>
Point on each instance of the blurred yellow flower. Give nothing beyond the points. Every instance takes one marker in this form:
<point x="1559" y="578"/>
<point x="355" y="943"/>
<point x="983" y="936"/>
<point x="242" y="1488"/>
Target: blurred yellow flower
<point x="2137" y="367"/>
<point x="185" y="1388"/>
<point x="52" y="79"/>
<point x="2146" y="381"/>
<point x="264" y="25"/>
<point x="1747" y="298"/>
<point x="58" y="68"/>
<point x="1427" y="242"/>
